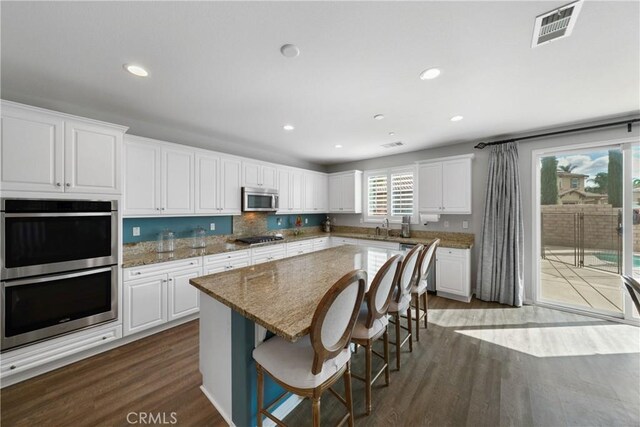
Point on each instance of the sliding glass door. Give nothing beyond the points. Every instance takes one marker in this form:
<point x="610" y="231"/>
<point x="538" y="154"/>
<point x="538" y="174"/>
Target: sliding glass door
<point x="586" y="232"/>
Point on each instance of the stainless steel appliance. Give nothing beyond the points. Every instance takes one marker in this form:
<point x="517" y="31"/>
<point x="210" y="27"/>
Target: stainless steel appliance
<point x="50" y="236"/>
<point x="254" y="240"/>
<point x="58" y="267"/>
<point x="259" y="199"/>
<point x="405" y="231"/>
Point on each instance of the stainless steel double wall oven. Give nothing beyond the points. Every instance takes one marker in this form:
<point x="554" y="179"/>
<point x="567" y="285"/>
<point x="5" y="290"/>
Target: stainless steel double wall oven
<point x="58" y="267"/>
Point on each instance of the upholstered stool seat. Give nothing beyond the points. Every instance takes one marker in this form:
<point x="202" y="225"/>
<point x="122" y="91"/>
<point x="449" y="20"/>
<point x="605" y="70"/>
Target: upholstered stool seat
<point x="402" y="305"/>
<point x="420" y="287"/>
<point x="312" y="364"/>
<point x="291" y="362"/>
<point x="360" y="330"/>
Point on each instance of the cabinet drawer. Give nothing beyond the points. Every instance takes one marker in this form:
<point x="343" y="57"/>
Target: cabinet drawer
<point x="451" y="252"/>
<point x="269" y="253"/>
<point x="227" y="256"/>
<point x="379" y="244"/>
<point x="299" y="248"/>
<point x="321" y="243"/>
<point x="39" y="354"/>
<point x="161" y="268"/>
<point x="337" y="241"/>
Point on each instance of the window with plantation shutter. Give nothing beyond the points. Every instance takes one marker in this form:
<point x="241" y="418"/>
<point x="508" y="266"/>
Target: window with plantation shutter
<point x="377" y="195"/>
<point x="402" y="193"/>
<point x="390" y="194"/>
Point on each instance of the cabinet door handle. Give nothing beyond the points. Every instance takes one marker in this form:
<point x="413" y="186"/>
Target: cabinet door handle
<point x="171" y="279"/>
<point x="162" y="208"/>
<point x="157" y="209"/>
<point x="137" y="273"/>
<point x="58" y="184"/>
<point x="68" y="185"/>
<point x="164" y="280"/>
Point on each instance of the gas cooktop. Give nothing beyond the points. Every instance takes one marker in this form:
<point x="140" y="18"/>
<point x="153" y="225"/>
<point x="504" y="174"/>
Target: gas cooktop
<point x="258" y="239"/>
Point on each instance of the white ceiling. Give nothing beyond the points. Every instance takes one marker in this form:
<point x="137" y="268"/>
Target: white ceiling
<point x="217" y="78"/>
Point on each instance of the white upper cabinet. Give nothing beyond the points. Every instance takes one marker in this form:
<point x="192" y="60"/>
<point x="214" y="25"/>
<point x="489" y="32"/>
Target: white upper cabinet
<point x="142" y="170"/>
<point x="315" y="192"/>
<point x="177" y="185"/>
<point x="217" y="184"/>
<point x="345" y="192"/>
<point x="444" y="186"/>
<point x="53" y="152"/>
<point x="290" y="190"/>
<point x="259" y="175"/>
<point x="230" y="186"/>
<point x="159" y="178"/>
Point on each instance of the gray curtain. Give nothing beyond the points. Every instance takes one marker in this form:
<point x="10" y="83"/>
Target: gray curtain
<point x="500" y="274"/>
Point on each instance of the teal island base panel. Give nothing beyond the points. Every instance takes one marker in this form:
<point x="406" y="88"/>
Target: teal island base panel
<point x="227" y="340"/>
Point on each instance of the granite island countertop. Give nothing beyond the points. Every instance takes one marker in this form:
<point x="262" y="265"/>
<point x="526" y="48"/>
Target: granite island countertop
<point x="447" y="239"/>
<point x="282" y="295"/>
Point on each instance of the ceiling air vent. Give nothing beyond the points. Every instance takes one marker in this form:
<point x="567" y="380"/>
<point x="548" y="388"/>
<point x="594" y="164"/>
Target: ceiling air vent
<point x="393" y="144"/>
<point x="556" y="24"/>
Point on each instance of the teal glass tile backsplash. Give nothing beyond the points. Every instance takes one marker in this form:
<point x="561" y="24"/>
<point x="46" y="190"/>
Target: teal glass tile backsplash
<point x="289" y="221"/>
<point x="181" y="226"/>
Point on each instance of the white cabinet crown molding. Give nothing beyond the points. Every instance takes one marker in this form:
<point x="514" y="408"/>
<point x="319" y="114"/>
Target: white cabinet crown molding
<point x="445" y="159"/>
<point x="8" y="104"/>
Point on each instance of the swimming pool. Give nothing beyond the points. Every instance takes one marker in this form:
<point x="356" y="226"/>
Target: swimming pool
<point x="613" y="258"/>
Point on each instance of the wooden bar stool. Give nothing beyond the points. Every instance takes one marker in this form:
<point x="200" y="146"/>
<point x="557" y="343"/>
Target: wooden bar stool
<point x="419" y="287"/>
<point x="314" y="363"/>
<point x="401" y="301"/>
<point x="372" y="322"/>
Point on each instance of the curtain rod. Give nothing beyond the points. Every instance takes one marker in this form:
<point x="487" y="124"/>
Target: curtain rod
<point x="629" y="123"/>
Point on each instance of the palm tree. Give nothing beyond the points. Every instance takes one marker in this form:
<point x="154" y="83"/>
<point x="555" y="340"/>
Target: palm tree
<point x="601" y="181"/>
<point x="567" y="168"/>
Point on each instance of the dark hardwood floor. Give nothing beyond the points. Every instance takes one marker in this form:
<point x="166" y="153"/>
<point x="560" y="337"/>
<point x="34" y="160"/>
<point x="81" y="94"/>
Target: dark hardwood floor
<point x="156" y="375"/>
<point x="478" y="364"/>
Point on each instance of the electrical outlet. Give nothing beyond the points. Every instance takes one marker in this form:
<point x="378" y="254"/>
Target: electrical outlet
<point x="212" y="226"/>
<point x="465" y="224"/>
<point x="446" y="224"/>
<point x="306" y="220"/>
<point x="136" y="231"/>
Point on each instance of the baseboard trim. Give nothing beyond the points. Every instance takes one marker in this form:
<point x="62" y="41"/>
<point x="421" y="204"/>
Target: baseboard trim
<point x="284" y="409"/>
<point x="215" y="404"/>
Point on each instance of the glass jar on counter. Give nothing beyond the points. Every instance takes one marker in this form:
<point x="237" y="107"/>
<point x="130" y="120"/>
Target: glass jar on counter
<point x="166" y="241"/>
<point x="199" y="238"/>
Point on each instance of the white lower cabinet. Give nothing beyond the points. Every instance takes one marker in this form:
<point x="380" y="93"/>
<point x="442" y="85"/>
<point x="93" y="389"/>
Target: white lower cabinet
<point x="339" y="241"/>
<point x="23" y="359"/>
<point x="226" y="261"/>
<point x="321" y="243"/>
<point x="161" y="294"/>
<point x="268" y="253"/>
<point x="299" y="248"/>
<point x="453" y="273"/>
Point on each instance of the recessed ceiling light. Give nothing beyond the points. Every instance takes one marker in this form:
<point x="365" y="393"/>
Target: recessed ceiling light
<point x="429" y="74"/>
<point x="136" y="70"/>
<point x="378" y="117"/>
<point x="288" y="127"/>
<point x="289" y="50"/>
<point x="456" y="118"/>
<point x="338" y="146"/>
<point x="391" y="133"/>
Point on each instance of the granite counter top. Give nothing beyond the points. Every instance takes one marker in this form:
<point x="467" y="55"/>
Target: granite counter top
<point x="148" y="258"/>
<point x="282" y="295"/>
<point x="447" y="240"/>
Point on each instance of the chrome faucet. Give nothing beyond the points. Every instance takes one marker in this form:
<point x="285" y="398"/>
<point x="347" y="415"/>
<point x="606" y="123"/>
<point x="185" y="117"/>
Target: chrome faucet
<point x="385" y="226"/>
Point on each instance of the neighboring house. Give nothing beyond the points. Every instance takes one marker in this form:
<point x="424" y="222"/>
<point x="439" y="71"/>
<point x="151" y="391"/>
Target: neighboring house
<point x="571" y="190"/>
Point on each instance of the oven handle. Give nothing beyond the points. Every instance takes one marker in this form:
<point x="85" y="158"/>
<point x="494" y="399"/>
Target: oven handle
<point x="55" y="215"/>
<point x="13" y="283"/>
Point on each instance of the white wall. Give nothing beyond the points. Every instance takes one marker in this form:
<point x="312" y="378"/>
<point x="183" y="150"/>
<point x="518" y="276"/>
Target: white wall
<point x="479" y="176"/>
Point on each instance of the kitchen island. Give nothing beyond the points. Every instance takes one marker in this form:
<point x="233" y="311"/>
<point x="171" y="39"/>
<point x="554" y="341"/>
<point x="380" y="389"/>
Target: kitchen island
<point x="238" y="307"/>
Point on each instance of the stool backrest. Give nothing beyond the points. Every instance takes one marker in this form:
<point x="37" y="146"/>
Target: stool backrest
<point x="634" y="290"/>
<point x="408" y="272"/>
<point x="335" y="317"/>
<point x="381" y="289"/>
<point x="425" y="259"/>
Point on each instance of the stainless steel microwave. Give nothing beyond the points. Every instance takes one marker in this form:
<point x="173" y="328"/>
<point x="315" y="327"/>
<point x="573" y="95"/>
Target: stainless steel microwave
<point x="259" y="199"/>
